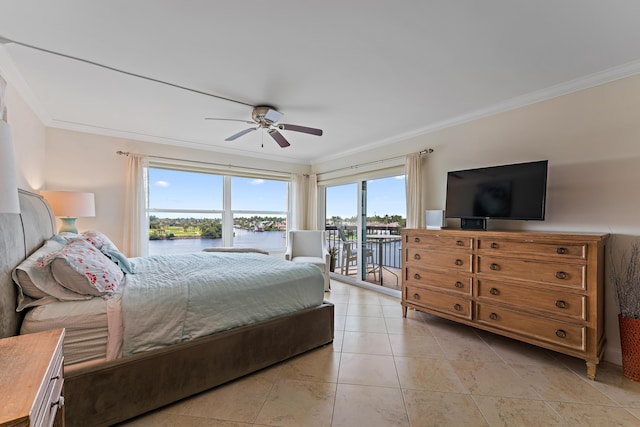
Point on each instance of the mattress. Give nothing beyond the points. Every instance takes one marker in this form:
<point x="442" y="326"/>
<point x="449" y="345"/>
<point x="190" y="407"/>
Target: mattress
<point x="87" y="327"/>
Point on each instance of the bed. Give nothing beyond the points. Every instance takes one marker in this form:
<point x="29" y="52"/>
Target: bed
<point x="106" y="390"/>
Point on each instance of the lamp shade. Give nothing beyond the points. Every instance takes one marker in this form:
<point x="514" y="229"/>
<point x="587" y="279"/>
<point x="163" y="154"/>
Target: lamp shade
<point x="9" y="202"/>
<point x="70" y="204"/>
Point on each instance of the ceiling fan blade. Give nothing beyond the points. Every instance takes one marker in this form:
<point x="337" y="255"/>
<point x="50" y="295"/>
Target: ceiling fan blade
<point x="231" y="120"/>
<point x="239" y="134"/>
<point x="281" y="140"/>
<point x="303" y="129"/>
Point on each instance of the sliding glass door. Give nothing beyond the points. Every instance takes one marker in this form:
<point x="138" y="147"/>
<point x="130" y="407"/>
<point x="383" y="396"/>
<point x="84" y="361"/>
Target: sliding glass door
<point x="386" y="209"/>
<point x="363" y="222"/>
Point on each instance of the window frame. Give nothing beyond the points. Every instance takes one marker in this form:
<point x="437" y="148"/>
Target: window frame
<point x="226" y="213"/>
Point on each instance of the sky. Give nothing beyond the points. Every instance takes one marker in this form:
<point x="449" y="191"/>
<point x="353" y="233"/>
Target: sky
<point x="181" y="190"/>
<point x="385" y="196"/>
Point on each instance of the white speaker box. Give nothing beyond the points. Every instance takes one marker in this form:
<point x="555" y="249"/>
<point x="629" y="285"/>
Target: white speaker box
<point x="434" y="219"/>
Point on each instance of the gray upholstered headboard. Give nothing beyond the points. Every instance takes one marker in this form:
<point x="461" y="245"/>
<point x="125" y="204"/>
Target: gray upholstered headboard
<point x="20" y="235"/>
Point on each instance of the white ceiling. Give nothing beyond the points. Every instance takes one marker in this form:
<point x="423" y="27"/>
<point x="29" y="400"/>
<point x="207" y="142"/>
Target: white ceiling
<point x="366" y="72"/>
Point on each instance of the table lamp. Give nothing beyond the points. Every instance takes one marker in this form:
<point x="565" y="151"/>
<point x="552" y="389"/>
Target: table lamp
<point x="68" y="206"/>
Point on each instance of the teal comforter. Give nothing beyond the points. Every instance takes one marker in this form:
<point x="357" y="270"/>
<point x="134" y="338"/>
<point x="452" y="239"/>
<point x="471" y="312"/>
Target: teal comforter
<point x="174" y="298"/>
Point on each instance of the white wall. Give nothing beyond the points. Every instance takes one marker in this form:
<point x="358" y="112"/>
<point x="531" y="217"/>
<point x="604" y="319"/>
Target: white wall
<point x="29" y="138"/>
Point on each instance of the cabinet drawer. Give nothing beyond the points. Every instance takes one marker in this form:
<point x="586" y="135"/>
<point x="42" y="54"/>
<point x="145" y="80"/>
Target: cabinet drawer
<point x="443" y="242"/>
<point x="555" y="251"/>
<point x="543" y="329"/>
<point x="451" y="282"/>
<point x="48" y="406"/>
<point x="449" y="260"/>
<point x="450" y="304"/>
<point x="571" y="275"/>
<point x="531" y="298"/>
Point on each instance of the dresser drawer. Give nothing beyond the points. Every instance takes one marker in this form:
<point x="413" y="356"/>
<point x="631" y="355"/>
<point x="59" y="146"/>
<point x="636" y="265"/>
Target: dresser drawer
<point x="570" y="275"/>
<point x="444" y="303"/>
<point x="564" y="334"/>
<point x="442" y="242"/>
<point x="462" y="262"/>
<point x="531" y="298"/>
<point x="452" y="282"/>
<point x="556" y="251"/>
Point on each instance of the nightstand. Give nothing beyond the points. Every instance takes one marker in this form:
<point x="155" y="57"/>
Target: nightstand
<point x="31" y="379"/>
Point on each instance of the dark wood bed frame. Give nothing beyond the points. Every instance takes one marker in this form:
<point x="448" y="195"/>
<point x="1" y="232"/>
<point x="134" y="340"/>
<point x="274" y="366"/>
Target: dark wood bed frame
<point x="111" y="392"/>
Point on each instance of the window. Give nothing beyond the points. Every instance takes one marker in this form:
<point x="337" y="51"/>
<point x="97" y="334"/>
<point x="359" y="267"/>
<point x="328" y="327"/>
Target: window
<point x="190" y="211"/>
<point x="259" y="209"/>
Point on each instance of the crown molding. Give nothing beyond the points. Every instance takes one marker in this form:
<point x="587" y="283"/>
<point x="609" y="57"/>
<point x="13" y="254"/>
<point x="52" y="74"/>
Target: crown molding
<point x="566" y="88"/>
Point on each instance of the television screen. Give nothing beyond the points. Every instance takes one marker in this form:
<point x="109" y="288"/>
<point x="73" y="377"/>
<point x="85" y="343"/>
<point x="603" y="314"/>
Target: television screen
<point x="516" y="191"/>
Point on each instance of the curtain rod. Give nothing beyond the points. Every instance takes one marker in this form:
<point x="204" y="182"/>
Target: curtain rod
<point x="420" y="153"/>
<point x="127" y="153"/>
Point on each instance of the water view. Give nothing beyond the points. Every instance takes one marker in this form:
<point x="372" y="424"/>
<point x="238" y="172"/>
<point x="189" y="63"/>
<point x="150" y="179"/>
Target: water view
<point x="272" y="241"/>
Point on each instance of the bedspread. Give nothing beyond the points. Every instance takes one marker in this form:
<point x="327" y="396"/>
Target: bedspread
<point x="175" y="298"/>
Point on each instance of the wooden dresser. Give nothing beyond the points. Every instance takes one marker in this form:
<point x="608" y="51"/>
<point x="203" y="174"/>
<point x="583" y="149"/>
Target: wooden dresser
<point x="542" y="288"/>
<point x="31" y="368"/>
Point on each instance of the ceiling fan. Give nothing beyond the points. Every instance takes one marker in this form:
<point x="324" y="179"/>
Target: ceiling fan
<point x="266" y="117"/>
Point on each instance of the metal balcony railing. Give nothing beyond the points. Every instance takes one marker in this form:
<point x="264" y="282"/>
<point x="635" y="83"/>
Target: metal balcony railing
<point x="391" y="248"/>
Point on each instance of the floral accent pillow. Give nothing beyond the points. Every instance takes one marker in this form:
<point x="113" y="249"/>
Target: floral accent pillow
<point x="107" y="247"/>
<point x="83" y="269"/>
<point x="36" y="285"/>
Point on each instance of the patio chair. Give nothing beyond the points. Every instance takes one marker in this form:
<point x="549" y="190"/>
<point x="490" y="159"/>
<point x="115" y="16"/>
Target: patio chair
<point x="350" y="255"/>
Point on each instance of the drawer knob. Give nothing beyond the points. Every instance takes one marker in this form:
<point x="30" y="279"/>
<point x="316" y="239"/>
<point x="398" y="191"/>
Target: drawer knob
<point x="416" y="276"/>
<point x="561" y="251"/>
<point x="459" y="243"/>
<point x="494" y="245"/>
<point x="459" y="262"/>
<point x="561" y="275"/>
<point x="561" y="304"/>
<point x="493" y="316"/>
<point x="416" y="296"/>
<point x="457" y="307"/>
<point x="416" y="239"/>
<point x="494" y="291"/>
<point x="561" y="333"/>
<point x="59" y="403"/>
<point x="416" y="256"/>
<point x="494" y="266"/>
<point x="459" y="284"/>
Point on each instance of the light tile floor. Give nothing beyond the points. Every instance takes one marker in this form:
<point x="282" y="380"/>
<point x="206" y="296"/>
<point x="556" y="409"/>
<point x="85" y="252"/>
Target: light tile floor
<point x="383" y="370"/>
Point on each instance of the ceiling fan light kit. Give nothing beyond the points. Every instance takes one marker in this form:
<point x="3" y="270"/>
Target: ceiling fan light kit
<point x="267" y="117"/>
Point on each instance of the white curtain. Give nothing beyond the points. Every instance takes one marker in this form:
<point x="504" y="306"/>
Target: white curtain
<point x="312" y="202"/>
<point x="304" y="203"/>
<point x="298" y="202"/>
<point x="413" y="174"/>
<point x="136" y="228"/>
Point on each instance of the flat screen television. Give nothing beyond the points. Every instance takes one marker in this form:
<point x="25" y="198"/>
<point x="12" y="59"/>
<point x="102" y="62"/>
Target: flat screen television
<point x="516" y="191"/>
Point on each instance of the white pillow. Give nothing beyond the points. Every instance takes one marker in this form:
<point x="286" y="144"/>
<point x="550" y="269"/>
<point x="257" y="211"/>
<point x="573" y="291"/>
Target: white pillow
<point x="36" y="285"/>
<point x="82" y="268"/>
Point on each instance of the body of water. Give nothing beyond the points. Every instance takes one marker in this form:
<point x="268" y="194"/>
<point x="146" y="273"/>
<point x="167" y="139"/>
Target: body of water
<point x="272" y="241"/>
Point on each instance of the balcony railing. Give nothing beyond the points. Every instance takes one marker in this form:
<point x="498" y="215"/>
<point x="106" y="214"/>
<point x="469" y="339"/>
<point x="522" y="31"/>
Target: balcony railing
<point x="391" y="249"/>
